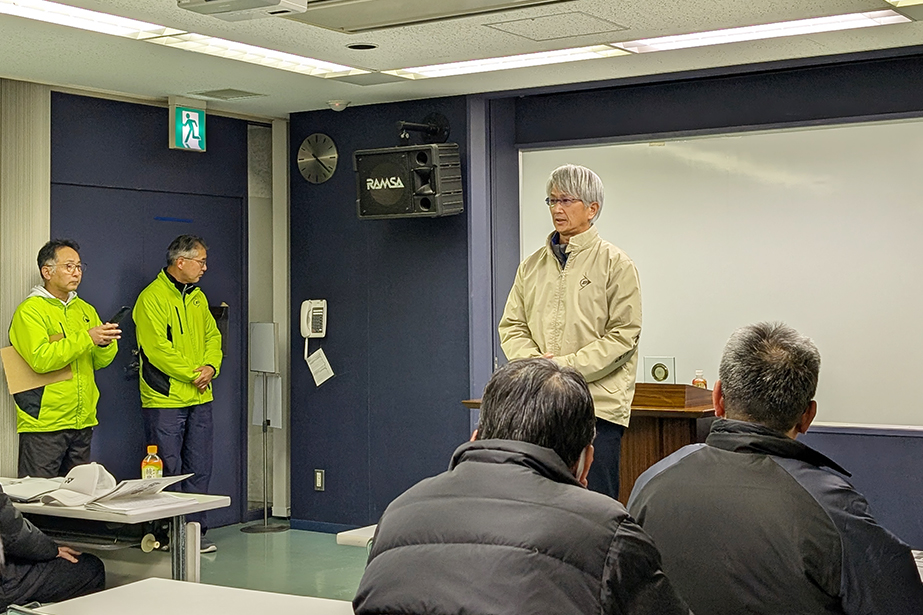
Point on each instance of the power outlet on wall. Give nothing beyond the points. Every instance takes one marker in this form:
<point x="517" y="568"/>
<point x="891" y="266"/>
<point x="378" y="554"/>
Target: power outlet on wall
<point x="318" y="480"/>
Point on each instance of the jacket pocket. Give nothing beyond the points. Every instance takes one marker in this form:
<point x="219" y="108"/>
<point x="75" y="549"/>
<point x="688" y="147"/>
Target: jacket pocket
<point x="153" y="377"/>
<point x="616" y="383"/>
<point x="30" y="401"/>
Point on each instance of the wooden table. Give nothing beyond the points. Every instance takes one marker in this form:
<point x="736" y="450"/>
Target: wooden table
<point x="664" y="418"/>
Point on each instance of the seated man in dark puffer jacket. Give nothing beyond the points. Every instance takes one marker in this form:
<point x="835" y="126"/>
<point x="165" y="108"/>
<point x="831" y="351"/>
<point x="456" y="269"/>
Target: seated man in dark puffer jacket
<point x="34" y="568"/>
<point x="511" y="527"/>
<point x="757" y="522"/>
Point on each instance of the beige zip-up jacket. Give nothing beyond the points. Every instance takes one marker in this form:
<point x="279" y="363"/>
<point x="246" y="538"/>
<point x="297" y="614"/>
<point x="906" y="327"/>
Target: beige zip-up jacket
<point x="588" y="315"/>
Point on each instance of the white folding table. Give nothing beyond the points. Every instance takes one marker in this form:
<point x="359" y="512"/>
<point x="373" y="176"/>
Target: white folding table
<point x="181" y="551"/>
<point x="179" y="598"/>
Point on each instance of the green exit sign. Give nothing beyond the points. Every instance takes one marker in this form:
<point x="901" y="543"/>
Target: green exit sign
<point x="187" y="128"/>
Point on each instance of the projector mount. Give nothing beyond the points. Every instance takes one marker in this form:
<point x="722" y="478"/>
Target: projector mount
<point x="435" y="129"/>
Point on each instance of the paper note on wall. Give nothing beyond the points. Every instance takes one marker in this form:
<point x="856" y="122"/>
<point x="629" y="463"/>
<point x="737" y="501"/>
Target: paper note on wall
<point x="320" y="367"/>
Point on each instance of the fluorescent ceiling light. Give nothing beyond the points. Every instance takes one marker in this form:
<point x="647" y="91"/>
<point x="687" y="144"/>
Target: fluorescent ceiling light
<point x="73" y="17"/>
<point x="764" y="31"/>
<point x="698" y="39"/>
<point x="518" y="61"/>
<point x="255" y="55"/>
<point x="64" y="15"/>
<point x="900" y="3"/>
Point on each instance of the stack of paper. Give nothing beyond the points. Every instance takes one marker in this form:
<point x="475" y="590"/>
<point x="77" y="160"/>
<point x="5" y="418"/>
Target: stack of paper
<point x="30" y="489"/>
<point x="130" y="497"/>
<point x="134" y="497"/>
<point x="138" y="504"/>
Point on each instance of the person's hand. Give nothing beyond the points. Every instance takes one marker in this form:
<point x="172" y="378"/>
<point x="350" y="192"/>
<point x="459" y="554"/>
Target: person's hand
<point x="68" y="554"/>
<point x="206" y="373"/>
<point x="105" y="333"/>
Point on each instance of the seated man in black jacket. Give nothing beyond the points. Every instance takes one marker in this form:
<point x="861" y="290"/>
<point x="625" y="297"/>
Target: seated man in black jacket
<point x="754" y="521"/>
<point x="34" y="568"/>
<point x="511" y="527"/>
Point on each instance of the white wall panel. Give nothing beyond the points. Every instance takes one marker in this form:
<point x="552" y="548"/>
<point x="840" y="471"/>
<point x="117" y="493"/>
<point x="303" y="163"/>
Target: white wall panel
<point x="819" y="228"/>
<point x="25" y="219"/>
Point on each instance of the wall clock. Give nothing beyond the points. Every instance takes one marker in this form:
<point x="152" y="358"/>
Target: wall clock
<point x="317" y="158"/>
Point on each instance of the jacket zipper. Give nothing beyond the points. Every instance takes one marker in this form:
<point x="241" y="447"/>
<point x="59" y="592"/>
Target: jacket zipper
<point x="75" y="371"/>
<point x="179" y="319"/>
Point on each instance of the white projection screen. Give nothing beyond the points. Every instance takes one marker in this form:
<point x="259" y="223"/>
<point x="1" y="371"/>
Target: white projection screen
<point x="820" y="228"/>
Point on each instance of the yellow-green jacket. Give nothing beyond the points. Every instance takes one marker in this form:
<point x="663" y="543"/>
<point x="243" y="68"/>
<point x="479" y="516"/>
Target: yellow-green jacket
<point x="69" y="404"/>
<point x="587" y="314"/>
<point x="176" y="333"/>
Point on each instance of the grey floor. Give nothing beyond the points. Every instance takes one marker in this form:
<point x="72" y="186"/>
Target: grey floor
<point x="292" y="562"/>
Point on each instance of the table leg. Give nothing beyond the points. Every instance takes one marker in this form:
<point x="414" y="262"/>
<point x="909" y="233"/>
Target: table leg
<point x="178" y="546"/>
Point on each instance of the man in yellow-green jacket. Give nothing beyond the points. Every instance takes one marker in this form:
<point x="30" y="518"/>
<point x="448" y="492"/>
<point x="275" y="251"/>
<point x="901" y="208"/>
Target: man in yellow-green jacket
<point x="53" y="329"/>
<point x="180" y="349"/>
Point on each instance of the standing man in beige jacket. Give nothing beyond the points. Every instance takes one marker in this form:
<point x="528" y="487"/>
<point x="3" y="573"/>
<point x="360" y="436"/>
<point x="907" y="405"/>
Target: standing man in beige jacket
<point x="577" y="300"/>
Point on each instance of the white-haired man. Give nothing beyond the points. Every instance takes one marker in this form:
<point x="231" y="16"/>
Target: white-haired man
<point x="577" y="300"/>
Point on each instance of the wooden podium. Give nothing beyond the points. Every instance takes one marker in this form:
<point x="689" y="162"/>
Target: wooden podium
<point x="664" y="418"/>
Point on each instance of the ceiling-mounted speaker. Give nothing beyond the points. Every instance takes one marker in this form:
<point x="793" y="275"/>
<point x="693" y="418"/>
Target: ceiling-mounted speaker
<point x="413" y="181"/>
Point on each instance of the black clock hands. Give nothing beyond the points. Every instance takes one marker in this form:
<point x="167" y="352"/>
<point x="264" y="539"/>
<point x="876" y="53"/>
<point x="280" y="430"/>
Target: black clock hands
<point x="321" y="162"/>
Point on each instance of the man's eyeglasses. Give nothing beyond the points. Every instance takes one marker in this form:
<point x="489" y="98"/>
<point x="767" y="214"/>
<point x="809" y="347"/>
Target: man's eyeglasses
<point x="566" y="202"/>
<point x="202" y="261"/>
<point x="72" y="267"/>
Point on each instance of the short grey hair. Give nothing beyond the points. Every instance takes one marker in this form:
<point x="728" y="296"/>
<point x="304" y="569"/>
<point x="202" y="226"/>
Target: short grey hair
<point x="184" y="246"/>
<point x="768" y="375"/>
<point x="577" y="181"/>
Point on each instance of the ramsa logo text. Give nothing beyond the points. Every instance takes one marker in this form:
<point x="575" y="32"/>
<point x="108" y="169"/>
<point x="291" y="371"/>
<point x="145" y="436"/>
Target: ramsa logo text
<point x="379" y="183"/>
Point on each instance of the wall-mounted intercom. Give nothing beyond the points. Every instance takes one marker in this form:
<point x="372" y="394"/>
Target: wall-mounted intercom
<point x="314" y="318"/>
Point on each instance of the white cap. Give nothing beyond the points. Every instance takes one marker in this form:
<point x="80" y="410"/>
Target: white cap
<point x="81" y="485"/>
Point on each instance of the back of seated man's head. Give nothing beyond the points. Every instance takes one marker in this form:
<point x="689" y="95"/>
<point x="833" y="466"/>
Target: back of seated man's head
<point x="768" y="375"/>
<point x="538" y="401"/>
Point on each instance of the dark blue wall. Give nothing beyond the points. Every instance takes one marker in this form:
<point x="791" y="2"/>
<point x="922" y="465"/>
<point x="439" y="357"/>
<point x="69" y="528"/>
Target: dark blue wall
<point x="885" y="468"/>
<point x="123" y="195"/>
<point x="397" y="329"/>
<point x="833" y="90"/>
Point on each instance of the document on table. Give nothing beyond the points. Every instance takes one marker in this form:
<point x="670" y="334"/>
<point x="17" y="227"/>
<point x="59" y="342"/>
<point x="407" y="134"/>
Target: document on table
<point x="139" y="504"/>
<point x="319" y="366"/>
<point x="134" y="497"/>
<point x="29" y="489"/>
<point x="140" y="487"/>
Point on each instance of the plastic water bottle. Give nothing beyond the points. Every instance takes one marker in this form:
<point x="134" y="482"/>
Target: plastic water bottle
<point x="152" y="466"/>
<point x="699" y="380"/>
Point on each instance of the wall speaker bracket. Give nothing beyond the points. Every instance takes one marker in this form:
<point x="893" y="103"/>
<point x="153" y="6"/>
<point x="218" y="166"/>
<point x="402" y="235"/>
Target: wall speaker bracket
<point x="434" y="128"/>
